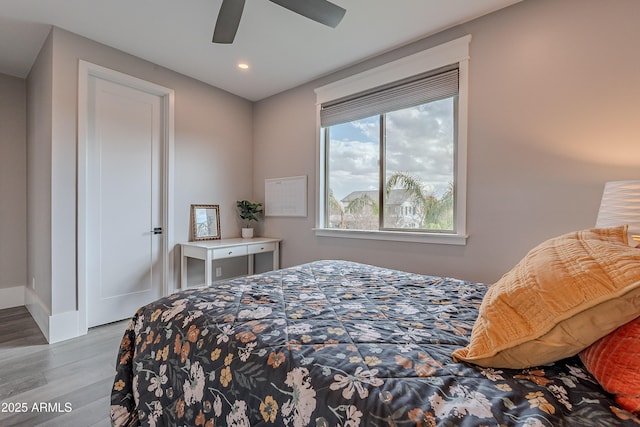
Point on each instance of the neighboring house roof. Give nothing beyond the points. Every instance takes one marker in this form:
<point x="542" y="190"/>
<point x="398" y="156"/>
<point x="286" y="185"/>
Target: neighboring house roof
<point x="395" y="197"/>
<point x="373" y="194"/>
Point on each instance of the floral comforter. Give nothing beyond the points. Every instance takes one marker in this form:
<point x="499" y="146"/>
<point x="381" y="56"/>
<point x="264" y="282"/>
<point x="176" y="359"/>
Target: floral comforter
<point x="334" y="343"/>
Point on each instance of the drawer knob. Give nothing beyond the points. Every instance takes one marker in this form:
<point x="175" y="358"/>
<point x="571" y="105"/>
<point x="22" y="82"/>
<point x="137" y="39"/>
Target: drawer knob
<point x="230" y="252"/>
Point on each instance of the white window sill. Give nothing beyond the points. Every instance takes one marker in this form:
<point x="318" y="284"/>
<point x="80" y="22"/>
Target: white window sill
<point x="396" y="236"/>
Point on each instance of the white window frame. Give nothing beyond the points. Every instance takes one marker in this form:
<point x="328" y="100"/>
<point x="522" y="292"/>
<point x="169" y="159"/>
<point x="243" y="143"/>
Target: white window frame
<point x="455" y="51"/>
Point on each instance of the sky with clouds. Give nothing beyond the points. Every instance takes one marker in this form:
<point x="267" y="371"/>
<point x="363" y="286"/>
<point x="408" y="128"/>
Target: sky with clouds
<point x="419" y="142"/>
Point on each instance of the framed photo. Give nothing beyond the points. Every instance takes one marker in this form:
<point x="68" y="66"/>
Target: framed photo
<point x="205" y="222"/>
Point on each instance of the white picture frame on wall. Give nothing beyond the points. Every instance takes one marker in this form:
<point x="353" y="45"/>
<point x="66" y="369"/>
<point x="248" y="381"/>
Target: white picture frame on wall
<point x="286" y="196"/>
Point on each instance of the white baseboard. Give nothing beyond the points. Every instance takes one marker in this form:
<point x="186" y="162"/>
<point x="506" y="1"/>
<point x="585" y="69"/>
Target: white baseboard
<point x="37" y="310"/>
<point x="12" y="297"/>
<point x="63" y="326"/>
<point x="55" y="328"/>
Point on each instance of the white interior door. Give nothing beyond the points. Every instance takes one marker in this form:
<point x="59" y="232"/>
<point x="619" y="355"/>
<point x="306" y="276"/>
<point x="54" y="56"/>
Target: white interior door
<point x="124" y="152"/>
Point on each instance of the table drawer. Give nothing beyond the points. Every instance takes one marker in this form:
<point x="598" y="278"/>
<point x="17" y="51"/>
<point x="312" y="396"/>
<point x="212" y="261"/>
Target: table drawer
<point x="229" y="252"/>
<point x="261" y="247"/>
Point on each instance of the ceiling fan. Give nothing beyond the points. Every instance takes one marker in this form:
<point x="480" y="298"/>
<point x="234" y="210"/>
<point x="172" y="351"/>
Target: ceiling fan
<point x="321" y="11"/>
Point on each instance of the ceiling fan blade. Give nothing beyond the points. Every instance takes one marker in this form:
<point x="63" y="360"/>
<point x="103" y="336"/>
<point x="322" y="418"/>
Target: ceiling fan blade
<point x="228" y="21"/>
<point x="321" y="11"/>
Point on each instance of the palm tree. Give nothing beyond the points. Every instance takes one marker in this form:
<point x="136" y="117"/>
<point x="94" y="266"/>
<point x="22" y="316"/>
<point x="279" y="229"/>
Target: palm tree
<point x="335" y="207"/>
<point x="363" y="212"/>
<point x="408" y="183"/>
<point x="435" y="212"/>
<point x="361" y="202"/>
<point x="411" y="186"/>
<point x="446" y="208"/>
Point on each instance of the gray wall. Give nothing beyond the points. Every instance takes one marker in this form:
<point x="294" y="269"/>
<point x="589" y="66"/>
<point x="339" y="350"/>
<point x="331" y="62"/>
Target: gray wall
<point x="13" y="183"/>
<point x="553" y="115"/>
<point x="213" y="135"/>
<point x="39" y="124"/>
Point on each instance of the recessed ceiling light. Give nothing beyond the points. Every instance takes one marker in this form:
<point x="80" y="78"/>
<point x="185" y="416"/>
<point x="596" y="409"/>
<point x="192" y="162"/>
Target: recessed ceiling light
<point x="243" y="66"/>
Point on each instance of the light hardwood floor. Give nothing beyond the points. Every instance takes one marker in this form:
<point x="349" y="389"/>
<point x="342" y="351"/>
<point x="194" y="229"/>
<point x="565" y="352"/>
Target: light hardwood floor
<point x="70" y="380"/>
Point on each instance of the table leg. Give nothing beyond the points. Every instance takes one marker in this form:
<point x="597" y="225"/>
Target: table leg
<point x="183" y="270"/>
<point x="207" y="269"/>
<point x="276" y="257"/>
<point x="250" y="264"/>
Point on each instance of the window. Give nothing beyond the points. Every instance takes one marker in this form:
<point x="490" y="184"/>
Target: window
<point x="393" y="147"/>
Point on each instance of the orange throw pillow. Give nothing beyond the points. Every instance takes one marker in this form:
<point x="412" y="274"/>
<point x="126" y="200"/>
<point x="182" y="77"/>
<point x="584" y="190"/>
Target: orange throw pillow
<point x="615" y="362"/>
<point x="563" y="296"/>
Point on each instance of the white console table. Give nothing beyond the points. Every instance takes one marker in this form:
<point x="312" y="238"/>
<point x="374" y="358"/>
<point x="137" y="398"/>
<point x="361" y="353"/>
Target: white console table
<point x="210" y="250"/>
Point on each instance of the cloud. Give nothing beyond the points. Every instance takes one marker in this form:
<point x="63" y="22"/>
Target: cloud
<point x="419" y="141"/>
<point x="353" y="166"/>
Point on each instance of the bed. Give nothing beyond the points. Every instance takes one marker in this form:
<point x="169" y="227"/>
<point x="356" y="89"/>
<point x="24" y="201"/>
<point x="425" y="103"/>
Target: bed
<point x="335" y="343"/>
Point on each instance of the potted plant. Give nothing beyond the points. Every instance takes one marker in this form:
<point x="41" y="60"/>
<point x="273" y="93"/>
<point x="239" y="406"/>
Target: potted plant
<point x="248" y="212"/>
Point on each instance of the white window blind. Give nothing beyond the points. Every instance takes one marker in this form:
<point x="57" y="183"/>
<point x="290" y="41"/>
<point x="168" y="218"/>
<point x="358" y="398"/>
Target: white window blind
<point x="409" y="93"/>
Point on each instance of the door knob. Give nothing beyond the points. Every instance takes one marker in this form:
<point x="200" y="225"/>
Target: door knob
<point x="157" y="230"/>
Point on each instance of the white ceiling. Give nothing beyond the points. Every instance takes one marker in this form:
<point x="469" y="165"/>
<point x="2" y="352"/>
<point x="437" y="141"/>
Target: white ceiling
<point x="283" y="49"/>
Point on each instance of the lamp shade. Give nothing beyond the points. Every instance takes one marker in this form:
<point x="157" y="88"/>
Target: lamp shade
<point x="620" y="205"/>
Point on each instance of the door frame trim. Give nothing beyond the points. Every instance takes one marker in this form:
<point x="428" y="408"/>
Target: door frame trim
<point x="85" y="71"/>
